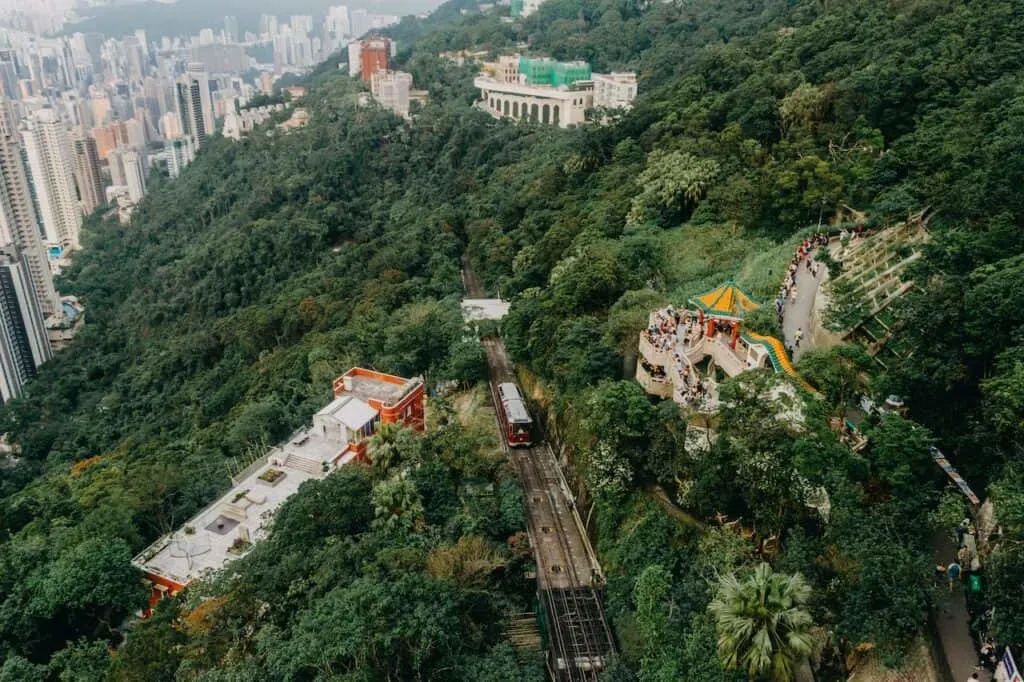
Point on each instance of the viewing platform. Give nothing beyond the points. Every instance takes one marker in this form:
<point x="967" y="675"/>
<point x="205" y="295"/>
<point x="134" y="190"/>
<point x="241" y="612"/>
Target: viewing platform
<point x="675" y="343"/>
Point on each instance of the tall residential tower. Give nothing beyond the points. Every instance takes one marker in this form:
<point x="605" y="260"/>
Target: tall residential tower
<point x="49" y="160"/>
<point x="87" y="173"/>
<point x="195" y="104"/>
<point x="18" y="223"/>
<point x="24" y="344"/>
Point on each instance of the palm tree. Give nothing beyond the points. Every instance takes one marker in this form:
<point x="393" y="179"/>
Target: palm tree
<point x="383" y="447"/>
<point x="392" y="446"/>
<point x="397" y="505"/>
<point x="763" y="627"/>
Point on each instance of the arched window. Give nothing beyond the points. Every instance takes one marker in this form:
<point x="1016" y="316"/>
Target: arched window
<point x="545" y="114"/>
<point x="554" y="114"/>
<point x="506" y="108"/>
<point x="492" y="102"/>
<point x="533" y="113"/>
<point x="515" y="109"/>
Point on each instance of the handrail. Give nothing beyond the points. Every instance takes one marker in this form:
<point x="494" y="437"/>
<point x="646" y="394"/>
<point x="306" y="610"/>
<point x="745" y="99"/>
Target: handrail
<point x="777" y="354"/>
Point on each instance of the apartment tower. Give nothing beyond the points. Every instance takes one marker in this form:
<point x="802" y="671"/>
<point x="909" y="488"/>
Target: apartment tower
<point x="134" y="175"/>
<point x="18" y="223"/>
<point x="87" y="173"/>
<point x="195" y="104"/>
<point x="47" y="146"/>
<point x="24" y="344"/>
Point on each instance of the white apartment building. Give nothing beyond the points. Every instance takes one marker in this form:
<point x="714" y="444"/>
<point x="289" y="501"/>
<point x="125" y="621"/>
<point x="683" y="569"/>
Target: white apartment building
<point x="391" y="90"/>
<point x="237" y="124"/>
<point x="355" y="58"/>
<point x="135" y="174"/>
<point x="18" y="224"/>
<point x="47" y="146"/>
<point x="615" y="90"/>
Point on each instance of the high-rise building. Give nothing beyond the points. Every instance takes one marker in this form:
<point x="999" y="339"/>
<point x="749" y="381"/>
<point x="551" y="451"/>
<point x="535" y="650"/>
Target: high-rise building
<point x="24" y="344"/>
<point x="47" y="147"/>
<point x="170" y="126"/>
<point x="115" y="165"/>
<point x="338" y="25"/>
<point x="135" y="175"/>
<point x="108" y="138"/>
<point x="180" y="153"/>
<point x="360" y="22"/>
<point x="391" y="90"/>
<point x="195" y="104"/>
<point x="87" y="173"/>
<point x="266" y="83"/>
<point x="268" y="25"/>
<point x="9" y="72"/>
<point x="373" y="56"/>
<point x="18" y="223"/>
<point x="231" y="29"/>
<point x="303" y="23"/>
<point x="355" y="59"/>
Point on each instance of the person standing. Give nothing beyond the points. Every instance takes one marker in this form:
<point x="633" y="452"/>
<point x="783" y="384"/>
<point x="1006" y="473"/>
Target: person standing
<point x="964" y="556"/>
<point x="953" y="573"/>
<point x="798" y="336"/>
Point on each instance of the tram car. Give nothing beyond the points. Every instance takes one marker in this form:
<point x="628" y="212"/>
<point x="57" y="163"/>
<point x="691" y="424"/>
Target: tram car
<point x="516" y="424"/>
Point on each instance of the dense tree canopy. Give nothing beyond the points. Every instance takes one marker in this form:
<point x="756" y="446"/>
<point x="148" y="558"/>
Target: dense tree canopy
<point x="218" y="318"/>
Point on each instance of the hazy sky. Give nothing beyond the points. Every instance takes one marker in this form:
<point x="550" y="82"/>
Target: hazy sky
<point x="186" y="17"/>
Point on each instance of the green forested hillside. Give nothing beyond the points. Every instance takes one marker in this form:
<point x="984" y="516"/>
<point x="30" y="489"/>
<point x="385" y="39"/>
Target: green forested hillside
<point x="218" y="318"/>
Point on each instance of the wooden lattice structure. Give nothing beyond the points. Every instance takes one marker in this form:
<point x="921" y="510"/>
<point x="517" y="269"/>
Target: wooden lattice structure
<point x="875" y="266"/>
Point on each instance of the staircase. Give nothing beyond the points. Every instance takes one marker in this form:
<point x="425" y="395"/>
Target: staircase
<point x="310" y="466"/>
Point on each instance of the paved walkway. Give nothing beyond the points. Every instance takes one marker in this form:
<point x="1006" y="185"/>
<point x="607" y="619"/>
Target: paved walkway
<point x="797" y="315"/>
<point x="951" y="620"/>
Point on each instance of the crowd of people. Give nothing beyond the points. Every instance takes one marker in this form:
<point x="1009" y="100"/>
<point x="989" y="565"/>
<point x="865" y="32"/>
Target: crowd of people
<point x="661" y="333"/>
<point x="667" y="328"/>
<point x="803" y="256"/>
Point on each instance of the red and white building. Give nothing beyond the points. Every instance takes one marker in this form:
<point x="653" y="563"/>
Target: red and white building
<point x="339" y="435"/>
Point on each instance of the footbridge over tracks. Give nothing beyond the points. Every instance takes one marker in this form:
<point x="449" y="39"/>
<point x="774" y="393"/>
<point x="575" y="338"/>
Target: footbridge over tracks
<point x="568" y="573"/>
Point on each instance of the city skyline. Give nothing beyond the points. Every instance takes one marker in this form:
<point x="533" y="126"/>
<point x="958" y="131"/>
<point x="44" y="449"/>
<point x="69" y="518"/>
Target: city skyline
<point x="85" y="118"/>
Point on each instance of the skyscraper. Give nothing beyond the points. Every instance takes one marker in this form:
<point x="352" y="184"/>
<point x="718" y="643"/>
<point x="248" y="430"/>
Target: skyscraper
<point x="18" y="223"/>
<point x="195" y="104"/>
<point x="87" y="173"/>
<point x="135" y="176"/>
<point x="268" y="25"/>
<point x="47" y="145"/>
<point x="24" y="344"/>
<point x="231" y="29"/>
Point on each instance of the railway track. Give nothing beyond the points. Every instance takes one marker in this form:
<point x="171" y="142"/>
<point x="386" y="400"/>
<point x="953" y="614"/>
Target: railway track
<point x="578" y="633"/>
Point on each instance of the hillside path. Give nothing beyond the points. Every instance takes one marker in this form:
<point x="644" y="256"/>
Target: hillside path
<point x="797" y="315"/>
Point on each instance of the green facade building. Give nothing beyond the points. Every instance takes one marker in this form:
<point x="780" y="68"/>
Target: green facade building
<point x="546" y="71"/>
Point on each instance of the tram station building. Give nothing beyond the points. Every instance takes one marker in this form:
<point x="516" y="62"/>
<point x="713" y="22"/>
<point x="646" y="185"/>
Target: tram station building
<point x="338" y="436"/>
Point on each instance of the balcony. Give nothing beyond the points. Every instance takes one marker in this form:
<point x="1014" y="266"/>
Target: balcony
<point x="653" y="355"/>
<point x="659" y="387"/>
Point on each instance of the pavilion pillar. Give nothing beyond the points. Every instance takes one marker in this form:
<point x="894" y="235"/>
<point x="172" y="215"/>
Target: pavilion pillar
<point x="735" y="335"/>
<point x="711" y="327"/>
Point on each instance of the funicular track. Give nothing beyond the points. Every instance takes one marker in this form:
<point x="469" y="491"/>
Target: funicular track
<point x="579" y="639"/>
